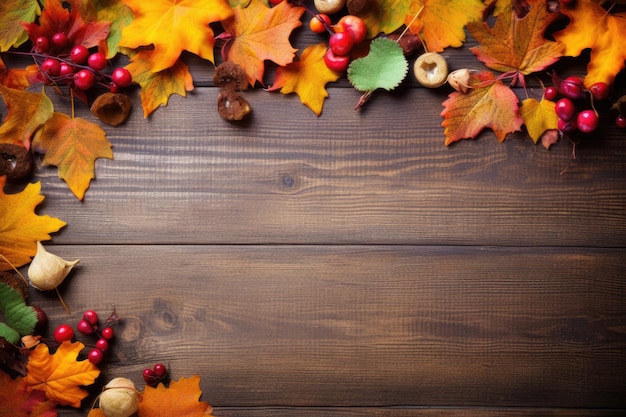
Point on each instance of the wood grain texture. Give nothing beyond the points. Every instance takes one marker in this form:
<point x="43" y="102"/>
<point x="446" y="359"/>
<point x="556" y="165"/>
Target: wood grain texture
<point x="364" y="326"/>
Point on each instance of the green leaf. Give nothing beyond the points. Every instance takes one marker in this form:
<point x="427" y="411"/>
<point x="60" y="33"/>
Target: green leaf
<point x="384" y="67"/>
<point x="12" y="13"/>
<point x="19" y="319"/>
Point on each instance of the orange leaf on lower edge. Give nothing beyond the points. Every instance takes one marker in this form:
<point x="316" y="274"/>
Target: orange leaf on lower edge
<point x="17" y="401"/>
<point x="489" y="103"/>
<point x="307" y="78"/>
<point x="60" y="375"/>
<point x="260" y="33"/>
<point x="180" y="399"/>
<point x="73" y="145"/>
<point x="20" y="227"/>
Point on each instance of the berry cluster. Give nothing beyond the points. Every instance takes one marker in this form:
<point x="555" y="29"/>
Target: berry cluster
<point x="349" y="31"/>
<point x="155" y="375"/>
<point x="576" y="106"/>
<point x="89" y="325"/>
<point x="61" y="63"/>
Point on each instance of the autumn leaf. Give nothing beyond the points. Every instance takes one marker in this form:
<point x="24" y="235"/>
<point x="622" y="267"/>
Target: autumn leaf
<point x="13" y="78"/>
<point x="384" y="16"/>
<point x="17" y="401"/>
<point x="73" y="145"/>
<point x="180" y="399"/>
<point x="27" y="112"/>
<point x="157" y="87"/>
<point x="307" y="78"/>
<point x="441" y="23"/>
<point x="173" y="26"/>
<point x="60" y="375"/>
<point x="20" y="227"/>
<point x="538" y="117"/>
<point x="517" y="45"/>
<point x="12" y="13"/>
<point x="488" y="104"/>
<point x="258" y="33"/>
<point x="592" y="26"/>
<point x="113" y="11"/>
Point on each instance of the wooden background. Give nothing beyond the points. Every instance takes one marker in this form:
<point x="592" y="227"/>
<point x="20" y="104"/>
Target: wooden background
<point x="351" y="264"/>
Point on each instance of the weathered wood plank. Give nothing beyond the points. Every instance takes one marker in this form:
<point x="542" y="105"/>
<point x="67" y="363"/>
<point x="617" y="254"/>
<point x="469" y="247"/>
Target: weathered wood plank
<point x="364" y="326"/>
<point x="378" y="176"/>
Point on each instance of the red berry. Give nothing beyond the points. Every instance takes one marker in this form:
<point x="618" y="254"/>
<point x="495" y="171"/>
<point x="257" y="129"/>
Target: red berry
<point x="59" y="40"/>
<point x="353" y="25"/>
<point x="599" y="90"/>
<point x="95" y="356"/>
<point x="66" y="70"/>
<point x="42" y="44"/>
<point x="107" y="333"/>
<point x="341" y="43"/>
<point x="91" y="317"/>
<point x="275" y="2"/>
<point x="102" y="344"/>
<point x="336" y="63"/>
<point x="319" y="23"/>
<point x="84" y="327"/>
<point x="149" y="376"/>
<point x="587" y="121"/>
<point x="565" y="109"/>
<point x="551" y="93"/>
<point x="160" y="370"/>
<point x="79" y="54"/>
<point x="620" y="121"/>
<point x="51" y="66"/>
<point x="97" y="61"/>
<point x="121" y="77"/>
<point x="567" y="127"/>
<point x="84" y="79"/>
<point x="63" y="332"/>
<point x="572" y="87"/>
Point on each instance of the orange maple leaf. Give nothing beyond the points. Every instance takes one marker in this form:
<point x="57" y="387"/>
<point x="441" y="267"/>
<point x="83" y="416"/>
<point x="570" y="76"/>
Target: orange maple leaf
<point x="60" y="375"/>
<point x="517" y="44"/>
<point x="489" y="103"/>
<point x="73" y="145"/>
<point x="442" y="22"/>
<point x="157" y="87"/>
<point x="17" y="401"/>
<point x="258" y="33"/>
<point x="13" y="78"/>
<point x="384" y="16"/>
<point x="538" y="117"/>
<point x="307" y="78"/>
<point x="20" y="227"/>
<point x="27" y="112"/>
<point x="592" y="26"/>
<point x="173" y="26"/>
<point x="180" y="399"/>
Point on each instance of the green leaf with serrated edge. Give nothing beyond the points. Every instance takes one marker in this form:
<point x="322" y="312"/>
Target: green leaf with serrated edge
<point x="384" y="67"/>
<point x="19" y="318"/>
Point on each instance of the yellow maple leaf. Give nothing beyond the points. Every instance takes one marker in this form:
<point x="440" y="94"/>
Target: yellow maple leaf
<point x="173" y="26"/>
<point x="592" y="26"/>
<point x="27" y="112"/>
<point x="538" y="117"/>
<point x="61" y="375"/>
<point x="20" y="227"/>
<point x="385" y="17"/>
<point x="262" y="33"/>
<point x="73" y="145"/>
<point x="441" y="22"/>
<point x="307" y="78"/>
<point x="180" y="399"/>
<point x="157" y="87"/>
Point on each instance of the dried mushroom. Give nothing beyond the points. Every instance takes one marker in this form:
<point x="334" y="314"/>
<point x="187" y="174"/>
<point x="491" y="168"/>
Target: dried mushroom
<point x="230" y="76"/>
<point x="15" y="162"/>
<point x="112" y="108"/>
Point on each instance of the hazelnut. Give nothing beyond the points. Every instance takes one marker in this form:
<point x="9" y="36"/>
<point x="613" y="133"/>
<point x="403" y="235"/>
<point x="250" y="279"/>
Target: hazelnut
<point x="329" y="6"/>
<point x="112" y="108"/>
<point x="232" y="106"/>
<point x="230" y="76"/>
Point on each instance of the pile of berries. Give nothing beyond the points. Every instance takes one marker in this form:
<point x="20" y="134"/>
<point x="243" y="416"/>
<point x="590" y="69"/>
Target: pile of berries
<point x="152" y="376"/>
<point x="61" y="63"/>
<point x="88" y="325"/>
<point x="349" y="31"/>
<point x="578" y="107"/>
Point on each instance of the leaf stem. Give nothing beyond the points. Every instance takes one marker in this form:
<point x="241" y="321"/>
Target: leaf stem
<point x="409" y="25"/>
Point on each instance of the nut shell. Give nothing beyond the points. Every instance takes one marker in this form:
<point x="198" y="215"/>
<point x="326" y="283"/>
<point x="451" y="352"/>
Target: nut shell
<point x="119" y="398"/>
<point x="431" y="70"/>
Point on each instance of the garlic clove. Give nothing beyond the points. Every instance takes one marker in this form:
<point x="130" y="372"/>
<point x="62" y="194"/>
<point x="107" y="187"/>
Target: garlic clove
<point x="119" y="398"/>
<point x="47" y="271"/>
<point x="459" y="80"/>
